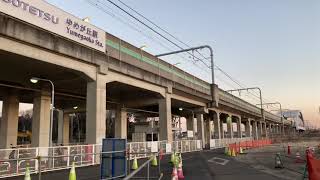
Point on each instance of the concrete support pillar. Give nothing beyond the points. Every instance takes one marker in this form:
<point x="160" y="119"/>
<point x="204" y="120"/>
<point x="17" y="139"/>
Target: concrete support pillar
<point x="121" y="123"/>
<point x="230" y="127"/>
<point x="259" y="124"/>
<point x="9" y="121"/>
<point x="285" y="131"/>
<point x="207" y="132"/>
<point x="264" y="129"/>
<point x="255" y="129"/>
<point x="60" y="127"/>
<point x="217" y="127"/>
<point x="200" y="129"/>
<point x="41" y="120"/>
<point x="96" y="111"/>
<point x="165" y="119"/>
<point x="270" y="129"/>
<point x="190" y="124"/>
<point x="221" y="129"/>
<point x="66" y="129"/>
<point x="248" y="128"/>
<point x="239" y="127"/>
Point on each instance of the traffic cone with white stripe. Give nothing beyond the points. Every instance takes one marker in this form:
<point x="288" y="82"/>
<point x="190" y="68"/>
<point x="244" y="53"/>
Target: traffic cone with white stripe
<point x="154" y="161"/>
<point x="27" y="174"/>
<point x="173" y="158"/>
<point x="241" y="150"/>
<point x="72" y="175"/>
<point x="278" y="161"/>
<point x="134" y="164"/>
<point x="233" y="154"/>
<point x="174" y="175"/>
<point x="226" y="150"/>
<point x="229" y="152"/>
<point x="180" y="170"/>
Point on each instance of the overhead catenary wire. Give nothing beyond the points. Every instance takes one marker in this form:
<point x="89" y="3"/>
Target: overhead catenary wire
<point x="98" y="5"/>
<point x="153" y="30"/>
<point x="148" y="20"/>
<point x="172" y="36"/>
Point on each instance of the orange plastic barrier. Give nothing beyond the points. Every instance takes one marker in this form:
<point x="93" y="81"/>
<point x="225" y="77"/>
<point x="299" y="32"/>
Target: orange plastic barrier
<point x="250" y="144"/>
<point x="313" y="167"/>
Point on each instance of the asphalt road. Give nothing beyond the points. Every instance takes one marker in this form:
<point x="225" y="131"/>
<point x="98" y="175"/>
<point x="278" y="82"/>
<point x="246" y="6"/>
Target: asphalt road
<point x="204" y="165"/>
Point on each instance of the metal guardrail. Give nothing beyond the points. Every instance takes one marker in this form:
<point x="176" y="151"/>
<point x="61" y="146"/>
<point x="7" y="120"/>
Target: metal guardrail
<point x="132" y="175"/>
<point x="221" y="143"/>
<point x="13" y="162"/>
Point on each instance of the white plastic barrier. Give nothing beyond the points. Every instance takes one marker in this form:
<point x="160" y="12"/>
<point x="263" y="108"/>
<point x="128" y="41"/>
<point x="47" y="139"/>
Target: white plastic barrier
<point x="186" y="146"/>
<point x="13" y="162"/>
<point x="220" y="143"/>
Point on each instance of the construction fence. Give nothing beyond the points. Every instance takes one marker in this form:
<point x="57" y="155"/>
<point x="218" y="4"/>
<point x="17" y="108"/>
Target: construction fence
<point x="13" y="162"/>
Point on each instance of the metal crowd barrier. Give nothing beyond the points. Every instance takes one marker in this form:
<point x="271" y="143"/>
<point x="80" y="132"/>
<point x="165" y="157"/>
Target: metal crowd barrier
<point x="152" y="172"/>
<point x="13" y="162"/>
<point x="221" y="143"/>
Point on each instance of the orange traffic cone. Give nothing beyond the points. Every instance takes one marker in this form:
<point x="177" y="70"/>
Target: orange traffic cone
<point x="180" y="171"/>
<point x="174" y="174"/>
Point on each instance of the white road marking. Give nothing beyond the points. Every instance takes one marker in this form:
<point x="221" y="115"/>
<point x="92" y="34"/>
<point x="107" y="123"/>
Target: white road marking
<point x="220" y="161"/>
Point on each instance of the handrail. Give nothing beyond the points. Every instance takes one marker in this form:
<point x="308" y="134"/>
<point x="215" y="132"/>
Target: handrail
<point x="139" y="169"/>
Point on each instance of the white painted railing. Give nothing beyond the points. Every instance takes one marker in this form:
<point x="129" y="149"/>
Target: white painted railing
<point x="13" y="162"/>
<point x="220" y="143"/>
<point x="184" y="146"/>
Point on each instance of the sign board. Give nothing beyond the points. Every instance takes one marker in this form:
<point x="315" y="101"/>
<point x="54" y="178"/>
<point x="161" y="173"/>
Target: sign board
<point x="190" y="134"/>
<point x="212" y="143"/>
<point x="44" y="15"/>
<point x="168" y="148"/>
<point x="113" y="162"/>
<point x="154" y="146"/>
<point x="198" y="144"/>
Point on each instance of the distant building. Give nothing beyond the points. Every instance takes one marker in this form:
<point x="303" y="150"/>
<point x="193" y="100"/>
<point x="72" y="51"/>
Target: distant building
<point x="296" y="117"/>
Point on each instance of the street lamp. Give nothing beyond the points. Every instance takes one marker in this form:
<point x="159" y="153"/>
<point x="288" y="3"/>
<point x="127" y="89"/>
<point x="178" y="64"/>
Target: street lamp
<point x="257" y="88"/>
<point x="35" y="80"/>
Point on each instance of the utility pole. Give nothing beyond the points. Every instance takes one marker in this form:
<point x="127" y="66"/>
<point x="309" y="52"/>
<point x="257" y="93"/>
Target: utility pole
<point x="192" y="49"/>
<point x="246" y="89"/>
<point x="281" y="113"/>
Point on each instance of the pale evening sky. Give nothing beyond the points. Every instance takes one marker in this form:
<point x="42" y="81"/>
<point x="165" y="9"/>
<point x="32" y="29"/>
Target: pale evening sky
<point x="272" y="44"/>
